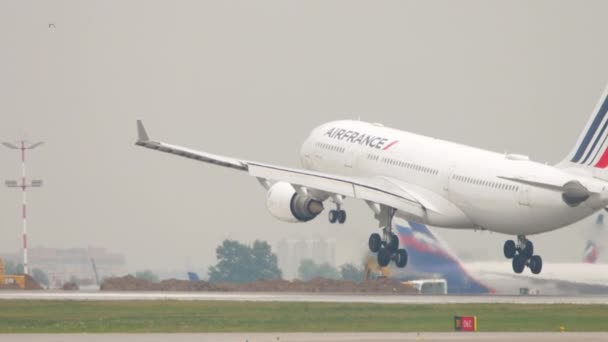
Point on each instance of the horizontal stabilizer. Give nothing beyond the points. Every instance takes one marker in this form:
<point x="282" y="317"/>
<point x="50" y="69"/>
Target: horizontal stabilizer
<point x="546" y="186"/>
<point x="573" y="192"/>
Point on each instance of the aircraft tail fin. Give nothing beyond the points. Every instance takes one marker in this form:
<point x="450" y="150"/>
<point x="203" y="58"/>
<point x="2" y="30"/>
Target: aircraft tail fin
<point x="595" y="242"/>
<point x="192" y="276"/>
<point x="591" y="150"/>
<point x="591" y="253"/>
<point x="429" y="256"/>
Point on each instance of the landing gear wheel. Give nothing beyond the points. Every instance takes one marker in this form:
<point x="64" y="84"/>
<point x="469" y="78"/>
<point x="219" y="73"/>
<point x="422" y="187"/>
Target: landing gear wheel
<point x="375" y="242"/>
<point x="528" y="250"/>
<point x="536" y="264"/>
<point x="341" y="216"/>
<point x="509" y="249"/>
<point x="401" y="258"/>
<point x="384" y="257"/>
<point x="519" y="263"/>
<point x="333" y="216"/>
<point x="393" y="243"/>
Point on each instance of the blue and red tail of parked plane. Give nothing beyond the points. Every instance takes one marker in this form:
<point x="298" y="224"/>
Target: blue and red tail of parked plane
<point x="193" y="276"/>
<point x="428" y="257"/>
<point x="591" y="253"/>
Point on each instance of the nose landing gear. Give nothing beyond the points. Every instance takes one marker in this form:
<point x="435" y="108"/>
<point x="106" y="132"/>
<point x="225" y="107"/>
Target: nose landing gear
<point x="522" y="254"/>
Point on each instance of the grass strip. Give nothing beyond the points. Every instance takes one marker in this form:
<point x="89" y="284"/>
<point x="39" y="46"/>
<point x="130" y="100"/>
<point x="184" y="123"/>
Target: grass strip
<point x="31" y="316"/>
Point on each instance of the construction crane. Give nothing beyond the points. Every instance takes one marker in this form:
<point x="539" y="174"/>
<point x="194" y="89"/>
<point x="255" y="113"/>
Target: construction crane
<point x="95" y="271"/>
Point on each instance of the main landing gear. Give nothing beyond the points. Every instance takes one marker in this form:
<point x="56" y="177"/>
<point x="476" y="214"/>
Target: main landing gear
<point x="522" y="254"/>
<point x="337" y="215"/>
<point x="387" y="245"/>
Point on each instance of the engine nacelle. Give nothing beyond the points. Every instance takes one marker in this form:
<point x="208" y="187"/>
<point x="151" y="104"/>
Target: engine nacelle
<point x="286" y="204"/>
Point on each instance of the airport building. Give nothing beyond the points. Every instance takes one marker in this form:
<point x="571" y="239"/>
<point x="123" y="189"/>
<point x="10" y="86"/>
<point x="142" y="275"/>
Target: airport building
<point x="62" y="265"/>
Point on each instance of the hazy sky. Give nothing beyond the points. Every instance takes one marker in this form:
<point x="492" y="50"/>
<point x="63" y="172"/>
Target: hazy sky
<point x="250" y="79"/>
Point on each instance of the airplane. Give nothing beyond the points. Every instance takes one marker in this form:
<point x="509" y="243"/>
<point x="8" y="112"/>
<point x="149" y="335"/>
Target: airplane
<point x="591" y="253"/>
<point x="430" y="181"/>
<point x="431" y="258"/>
<point x="193" y="276"/>
<point x="593" y="249"/>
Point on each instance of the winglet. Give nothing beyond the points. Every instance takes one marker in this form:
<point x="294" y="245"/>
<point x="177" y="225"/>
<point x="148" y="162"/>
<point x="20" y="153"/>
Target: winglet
<point x="142" y="135"/>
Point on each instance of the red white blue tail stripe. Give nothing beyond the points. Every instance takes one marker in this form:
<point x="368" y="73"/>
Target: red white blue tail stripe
<point x="591" y="253"/>
<point x="592" y="148"/>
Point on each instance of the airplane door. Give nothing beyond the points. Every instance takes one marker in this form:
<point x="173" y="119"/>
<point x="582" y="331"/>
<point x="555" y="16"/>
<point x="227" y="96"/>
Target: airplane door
<point x="349" y="157"/>
<point x="349" y="160"/>
<point x="307" y="161"/>
<point x="318" y="163"/>
<point x="524" y="195"/>
<point x="447" y="179"/>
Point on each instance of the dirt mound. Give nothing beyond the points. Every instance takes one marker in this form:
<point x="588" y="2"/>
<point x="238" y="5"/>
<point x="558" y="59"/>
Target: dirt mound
<point x="127" y="283"/>
<point x="130" y="283"/>
<point x="70" y="286"/>
<point x="322" y="285"/>
<point x="31" y="283"/>
<point x="185" y="285"/>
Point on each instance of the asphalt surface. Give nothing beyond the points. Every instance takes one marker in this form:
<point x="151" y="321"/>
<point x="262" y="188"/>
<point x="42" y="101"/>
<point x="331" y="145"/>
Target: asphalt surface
<point x="312" y="337"/>
<point x="299" y="297"/>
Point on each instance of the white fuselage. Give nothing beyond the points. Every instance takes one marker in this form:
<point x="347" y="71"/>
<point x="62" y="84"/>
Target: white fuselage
<point x="466" y="180"/>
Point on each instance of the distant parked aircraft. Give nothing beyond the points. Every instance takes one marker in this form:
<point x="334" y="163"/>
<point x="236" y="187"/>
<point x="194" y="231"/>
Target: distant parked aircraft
<point x="430" y="257"/>
<point x="193" y="276"/>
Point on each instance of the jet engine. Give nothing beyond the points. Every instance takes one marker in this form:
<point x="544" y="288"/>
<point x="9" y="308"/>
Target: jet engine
<point x="575" y="193"/>
<point x="286" y="204"/>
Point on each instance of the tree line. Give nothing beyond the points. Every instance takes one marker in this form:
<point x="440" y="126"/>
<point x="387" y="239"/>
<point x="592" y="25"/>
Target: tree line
<point x="240" y="263"/>
<point x="237" y="263"/>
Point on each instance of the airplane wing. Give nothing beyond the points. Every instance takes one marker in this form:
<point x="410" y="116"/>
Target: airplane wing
<point x="368" y="189"/>
<point x="144" y="140"/>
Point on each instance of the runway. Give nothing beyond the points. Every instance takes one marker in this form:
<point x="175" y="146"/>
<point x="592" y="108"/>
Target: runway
<point x="312" y="337"/>
<point x="299" y="297"/>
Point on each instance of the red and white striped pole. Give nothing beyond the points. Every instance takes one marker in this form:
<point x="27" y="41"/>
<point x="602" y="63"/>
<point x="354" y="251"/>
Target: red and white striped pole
<point x="24" y="185"/>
